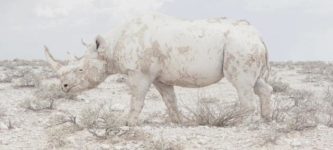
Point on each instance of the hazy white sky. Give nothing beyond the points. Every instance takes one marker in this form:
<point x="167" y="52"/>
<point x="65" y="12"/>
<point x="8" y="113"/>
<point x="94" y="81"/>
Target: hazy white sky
<point x="292" y="29"/>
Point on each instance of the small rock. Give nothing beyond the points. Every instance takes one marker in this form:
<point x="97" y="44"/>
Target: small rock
<point x="125" y="128"/>
<point x="202" y="141"/>
<point x="121" y="80"/>
<point x="104" y="147"/>
<point x="117" y="107"/>
<point x="3" y="126"/>
<point x="5" y="78"/>
<point x="296" y="143"/>
<point x="321" y="127"/>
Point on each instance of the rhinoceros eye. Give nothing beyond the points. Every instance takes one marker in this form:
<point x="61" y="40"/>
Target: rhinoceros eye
<point x="80" y="70"/>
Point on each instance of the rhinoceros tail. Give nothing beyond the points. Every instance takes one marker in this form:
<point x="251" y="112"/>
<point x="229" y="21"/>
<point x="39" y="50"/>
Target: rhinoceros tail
<point x="265" y="71"/>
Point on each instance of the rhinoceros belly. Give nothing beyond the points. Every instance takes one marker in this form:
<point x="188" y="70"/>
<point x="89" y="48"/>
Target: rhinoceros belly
<point x="196" y="69"/>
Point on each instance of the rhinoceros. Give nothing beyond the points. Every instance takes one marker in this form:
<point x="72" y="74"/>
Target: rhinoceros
<point x="166" y="51"/>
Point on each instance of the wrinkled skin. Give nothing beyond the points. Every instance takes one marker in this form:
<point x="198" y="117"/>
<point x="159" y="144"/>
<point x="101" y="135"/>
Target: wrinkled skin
<point x="167" y="52"/>
<point x="80" y="74"/>
<point x="84" y="74"/>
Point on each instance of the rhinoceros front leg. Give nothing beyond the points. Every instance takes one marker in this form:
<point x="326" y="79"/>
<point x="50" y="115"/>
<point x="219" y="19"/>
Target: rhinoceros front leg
<point x="139" y="84"/>
<point x="168" y="95"/>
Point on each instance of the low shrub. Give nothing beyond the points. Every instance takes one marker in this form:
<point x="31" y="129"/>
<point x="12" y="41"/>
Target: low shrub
<point x="28" y="80"/>
<point x="101" y="121"/>
<point x="297" y="110"/>
<point x="220" y="115"/>
<point x="162" y="144"/>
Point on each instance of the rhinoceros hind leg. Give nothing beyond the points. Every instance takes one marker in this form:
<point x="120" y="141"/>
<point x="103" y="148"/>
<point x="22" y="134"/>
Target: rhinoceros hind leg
<point x="264" y="91"/>
<point x="246" y="96"/>
<point x="244" y="82"/>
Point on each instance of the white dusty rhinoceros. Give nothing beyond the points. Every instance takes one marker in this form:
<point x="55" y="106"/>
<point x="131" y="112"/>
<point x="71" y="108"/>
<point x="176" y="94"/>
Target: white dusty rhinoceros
<point x="167" y="52"/>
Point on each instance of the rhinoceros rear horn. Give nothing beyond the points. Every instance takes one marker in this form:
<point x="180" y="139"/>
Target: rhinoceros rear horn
<point x="50" y="59"/>
<point x="84" y="43"/>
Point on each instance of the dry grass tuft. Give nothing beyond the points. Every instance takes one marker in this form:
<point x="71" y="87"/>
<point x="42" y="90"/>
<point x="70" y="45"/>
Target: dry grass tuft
<point x="278" y="85"/>
<point x="27" y="80"/>
<point x="269" y="137"/>
<point x="304" y="110"/>
<point x="329" y="123"/>
<point x="297" y="110"/>
<point x="327" y="107"/>
<point x="3" y="111"/>
<point x="59" y="127"/>
<point x="162" y="144"/>
<point x="316" y="71"/>
<point x="5" y="121"/>
<point x="57" y="135"/>
<point x="5" y="78"/>
<point x="101" y="121"/>
<point x="60" y="119"/>
<point x="220" y="115"/>
<point x="329" y="96"/>
<point x="37" y="104"/>
<point x="50" y="89"/>
<point x="45" y="96"/>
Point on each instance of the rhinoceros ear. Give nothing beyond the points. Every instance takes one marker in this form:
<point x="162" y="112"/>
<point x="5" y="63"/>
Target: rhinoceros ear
<point x="50" y="59"/>
<point x="100" y="42"/>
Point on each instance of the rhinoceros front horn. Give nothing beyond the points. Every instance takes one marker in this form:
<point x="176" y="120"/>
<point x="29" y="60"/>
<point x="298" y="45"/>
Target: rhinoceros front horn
<point x="50" y="59"/>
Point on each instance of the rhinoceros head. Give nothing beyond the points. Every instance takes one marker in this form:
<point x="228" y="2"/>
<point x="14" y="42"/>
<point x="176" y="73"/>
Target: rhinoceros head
<point x="83" y="73"/>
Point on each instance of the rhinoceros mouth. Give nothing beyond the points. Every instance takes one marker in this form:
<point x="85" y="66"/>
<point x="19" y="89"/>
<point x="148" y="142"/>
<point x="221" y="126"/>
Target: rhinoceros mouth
<point x="67" y="90"/>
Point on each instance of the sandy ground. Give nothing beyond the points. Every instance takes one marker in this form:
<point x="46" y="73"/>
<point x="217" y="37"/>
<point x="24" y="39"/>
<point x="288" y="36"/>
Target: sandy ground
<point x="30" y="128"/>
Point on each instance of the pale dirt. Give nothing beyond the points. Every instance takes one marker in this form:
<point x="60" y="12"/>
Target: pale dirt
<point x="30" y="127"/>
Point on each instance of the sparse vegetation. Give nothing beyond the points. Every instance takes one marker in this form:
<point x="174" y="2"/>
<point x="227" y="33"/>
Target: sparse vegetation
<point x="27" y="80"/>
<point x="50" y="89"/>
<point x="101" y="121"/>
<point x="329" y="96"/>
<point x="44" y="96"/>
<point x="60" y="119"/>
<point x="59" y="127"/>
<point x="20" y="62"/>
<point x="290" y="65"/>
<point x="316" y="71"/>
<point x="269" y="137"/>
<point x="5" y="78"/>
<point x="5" y="122"/>
<point x="162" y="144"/>
<point x="3" y="111"/>
<point x="296" y="109"/>
<point x="329" y="123"/>
<point x="38" y="104"/>
<point x="313" y="67"/>
<point x="278" y="85"/>
<point x="327" y="107"/>
<point x="57" y="134"/>
<point x="20" y="72"/>
<point x="220" y="115"/>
